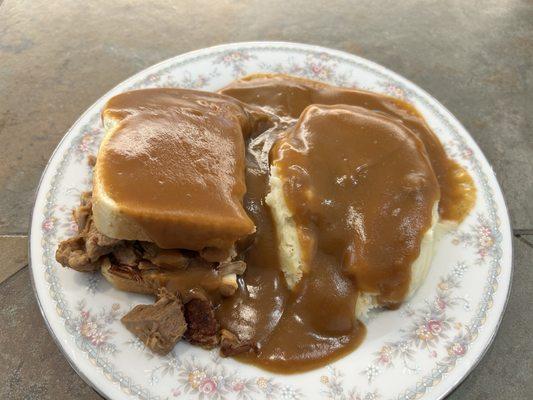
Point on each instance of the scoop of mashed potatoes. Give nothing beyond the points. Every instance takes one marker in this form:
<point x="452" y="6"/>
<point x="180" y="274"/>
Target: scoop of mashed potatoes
<point x="291" y="253"/>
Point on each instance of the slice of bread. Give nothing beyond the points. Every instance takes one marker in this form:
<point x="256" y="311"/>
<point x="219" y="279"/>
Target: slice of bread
<point x="172" y="144"/>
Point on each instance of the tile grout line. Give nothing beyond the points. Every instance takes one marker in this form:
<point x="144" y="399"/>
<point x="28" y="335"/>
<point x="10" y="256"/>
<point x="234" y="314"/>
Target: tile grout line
<point x="523" y="239"/>
<point x="7" y="279"/>
<point x="13" y="235"/>
<point x="522" y="232"/>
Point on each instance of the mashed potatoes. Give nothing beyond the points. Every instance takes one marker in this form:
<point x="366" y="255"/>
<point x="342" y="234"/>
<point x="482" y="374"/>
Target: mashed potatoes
<point x="291" y="253"/>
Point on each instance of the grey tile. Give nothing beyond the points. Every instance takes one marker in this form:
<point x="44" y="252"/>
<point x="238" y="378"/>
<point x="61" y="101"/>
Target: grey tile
<point x="506" y="370"/>
<point x="31" y="365"/>
<point x="13" y="255"/>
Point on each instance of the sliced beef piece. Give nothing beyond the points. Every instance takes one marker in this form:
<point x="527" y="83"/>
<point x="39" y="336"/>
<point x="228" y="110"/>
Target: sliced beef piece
<point x="161" y="325"/>
<point x="230" y="345"/>
<point x="201" y="322"/>
<point x="71" y="253"/>
<point x="97" y="244"/>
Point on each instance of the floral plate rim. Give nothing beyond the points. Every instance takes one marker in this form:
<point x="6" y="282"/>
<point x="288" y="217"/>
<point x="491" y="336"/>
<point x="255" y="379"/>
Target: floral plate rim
<point x="289" y="46"/>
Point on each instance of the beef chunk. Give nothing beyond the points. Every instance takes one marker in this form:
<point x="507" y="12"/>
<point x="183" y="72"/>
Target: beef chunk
<point x="71" y="253"/>
<point x="161" y="325"/>
<point x="202" y="324"/>
<point x="230" y="345"/>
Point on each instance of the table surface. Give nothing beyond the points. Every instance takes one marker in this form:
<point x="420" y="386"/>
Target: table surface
<point x="57" y="58"/>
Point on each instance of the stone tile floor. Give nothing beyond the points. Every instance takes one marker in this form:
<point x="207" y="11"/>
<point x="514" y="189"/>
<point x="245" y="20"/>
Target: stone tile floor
<point x="57" y="58"/>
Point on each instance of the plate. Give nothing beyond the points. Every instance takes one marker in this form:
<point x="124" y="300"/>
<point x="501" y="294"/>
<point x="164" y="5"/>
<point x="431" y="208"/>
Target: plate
<point x="422" y="350"/>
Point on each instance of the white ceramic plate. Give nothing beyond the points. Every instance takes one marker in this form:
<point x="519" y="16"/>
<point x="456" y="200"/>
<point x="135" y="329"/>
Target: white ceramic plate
<point x="422" y="350"/>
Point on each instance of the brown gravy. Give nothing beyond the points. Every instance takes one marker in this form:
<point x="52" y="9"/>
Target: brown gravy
<point x="301" y="329"/>
<point x="315" y="324"/>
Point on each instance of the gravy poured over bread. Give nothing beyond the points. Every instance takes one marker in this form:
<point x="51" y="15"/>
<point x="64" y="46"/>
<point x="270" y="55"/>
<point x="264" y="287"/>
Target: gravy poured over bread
<point x="171" y="168"/>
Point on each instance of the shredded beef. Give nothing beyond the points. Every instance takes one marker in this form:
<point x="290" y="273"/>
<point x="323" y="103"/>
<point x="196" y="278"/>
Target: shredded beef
<point x="161" y="325"/>
<point x="83" y="252"/>
<point x="71" y="253"/>
<point x="129" y="265"/>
